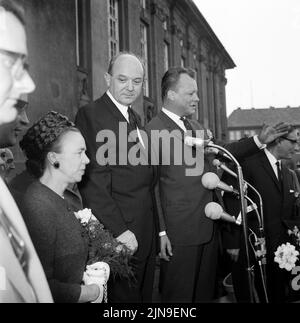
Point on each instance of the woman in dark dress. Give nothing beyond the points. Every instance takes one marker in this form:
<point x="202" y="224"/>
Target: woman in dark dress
<point x="55" y="150"/>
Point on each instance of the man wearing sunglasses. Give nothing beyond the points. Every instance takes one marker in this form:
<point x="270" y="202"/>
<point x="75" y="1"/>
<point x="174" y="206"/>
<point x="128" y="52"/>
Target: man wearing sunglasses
<point x="278" y="187"/>
<point x="21" y="275"/>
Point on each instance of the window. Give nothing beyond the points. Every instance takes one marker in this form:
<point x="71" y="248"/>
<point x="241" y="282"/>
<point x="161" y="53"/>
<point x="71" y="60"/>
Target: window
<point x="196" y="74"/>
<point x="182" y="61"/>
<point x="235" y="135"/>
<point x="165" y="25"/>
<point x="144" y="53"/>
<point x="82" y="27"/>
<point x="238" y="135"/>
<point x="231" y="135"/>
<point x="113" y="27"/>
<point x="77" y="33"/>
<point x="166" y="56"/>
<point x="250" y="133"/>
<point x="143" y="4"/>
<point x="83" y="48"/>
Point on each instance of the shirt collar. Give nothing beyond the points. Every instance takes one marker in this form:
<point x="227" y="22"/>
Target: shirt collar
<point x="271" y="157"/>
<point x="171" y="115"/>
<point x="123" y="108"/>
<point x="175" y="118"/>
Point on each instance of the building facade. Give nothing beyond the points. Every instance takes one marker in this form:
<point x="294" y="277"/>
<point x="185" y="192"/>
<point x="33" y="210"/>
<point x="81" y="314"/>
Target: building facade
<point x="71" y="42"/>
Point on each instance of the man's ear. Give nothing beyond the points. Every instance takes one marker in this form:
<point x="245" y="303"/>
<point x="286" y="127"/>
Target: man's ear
<point x="171" y="95"/>
<point x="107" y="78"/>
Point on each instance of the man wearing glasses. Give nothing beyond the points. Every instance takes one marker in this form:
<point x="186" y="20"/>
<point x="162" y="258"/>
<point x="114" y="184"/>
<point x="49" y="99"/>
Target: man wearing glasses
<point x="21" y="275"/>
<point x="278" y="186"/>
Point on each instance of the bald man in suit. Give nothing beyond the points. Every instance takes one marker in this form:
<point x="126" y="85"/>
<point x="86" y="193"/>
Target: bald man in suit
<point x="120" y="194"/>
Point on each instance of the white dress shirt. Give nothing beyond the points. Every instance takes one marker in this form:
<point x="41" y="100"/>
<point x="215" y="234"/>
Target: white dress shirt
<point x="124" y="110"/>
<point x="272" y="161"/>
<point x="175" y="118"/>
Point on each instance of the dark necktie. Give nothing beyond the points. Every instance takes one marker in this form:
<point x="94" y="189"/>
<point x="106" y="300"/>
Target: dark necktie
<point x="188" y="126"/>
<point x="279" y="172"/>
<point x="133" y="122"/>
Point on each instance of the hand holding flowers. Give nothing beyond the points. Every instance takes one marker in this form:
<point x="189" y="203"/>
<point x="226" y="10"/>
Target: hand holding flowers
<point x="103" y="247"/>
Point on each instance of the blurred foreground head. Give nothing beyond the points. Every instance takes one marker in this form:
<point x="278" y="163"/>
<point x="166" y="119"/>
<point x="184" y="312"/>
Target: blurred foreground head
<point x="15" y="79"/>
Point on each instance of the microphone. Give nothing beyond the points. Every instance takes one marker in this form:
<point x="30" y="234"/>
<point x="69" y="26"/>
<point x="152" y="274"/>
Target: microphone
<point x="211" y="181"/>
<point x="214" y="211"/>
<point x="218" y="164"/>
<point x="193" y="141"/>
<point x="201" y="143"/>
<point x="215" y="151"/>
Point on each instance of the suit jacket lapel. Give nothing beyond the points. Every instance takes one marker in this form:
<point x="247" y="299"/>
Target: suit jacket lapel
<point x="113" y="109"/>
<point x="285" y="182"/>
<point x="170" y="125"/>
<point x="267" y="166"/>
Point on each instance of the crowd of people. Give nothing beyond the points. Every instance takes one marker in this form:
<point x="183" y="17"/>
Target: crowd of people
<point x="150" y="204"/>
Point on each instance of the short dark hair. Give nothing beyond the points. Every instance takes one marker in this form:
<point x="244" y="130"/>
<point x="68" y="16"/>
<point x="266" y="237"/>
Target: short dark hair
<point x="114" y="59"/>
<point x="43" y="137"/>
<point x="15" y="8"/>
<point x="171" y="78"/>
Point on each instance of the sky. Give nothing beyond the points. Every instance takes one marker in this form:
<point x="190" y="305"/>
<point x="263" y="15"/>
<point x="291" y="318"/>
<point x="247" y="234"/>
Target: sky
<point x="263" y="39"/>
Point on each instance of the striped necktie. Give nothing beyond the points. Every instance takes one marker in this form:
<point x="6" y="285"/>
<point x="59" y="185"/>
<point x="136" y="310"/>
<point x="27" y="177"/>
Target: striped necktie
<point x="188" y="125"/>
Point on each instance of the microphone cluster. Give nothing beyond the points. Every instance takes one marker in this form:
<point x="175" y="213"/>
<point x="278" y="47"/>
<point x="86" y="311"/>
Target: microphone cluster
<point x="214" y="211"/>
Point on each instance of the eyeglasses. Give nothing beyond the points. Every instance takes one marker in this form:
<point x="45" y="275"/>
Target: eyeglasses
<point x="293" y="141"/>
<point x="16" y="63"/>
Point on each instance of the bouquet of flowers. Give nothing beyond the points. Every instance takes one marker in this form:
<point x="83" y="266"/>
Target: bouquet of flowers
<point x="103" y="247"/>
<point x="287" y="254"/>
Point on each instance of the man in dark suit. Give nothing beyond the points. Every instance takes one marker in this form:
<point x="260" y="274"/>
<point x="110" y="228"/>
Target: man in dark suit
<point x="117" y="190"/>
<point x="278" y="188"/>
<point x="189" y="243"/>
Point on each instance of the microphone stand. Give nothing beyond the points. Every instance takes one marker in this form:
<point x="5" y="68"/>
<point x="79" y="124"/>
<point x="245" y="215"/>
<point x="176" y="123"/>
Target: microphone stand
<point x="244" y="217"/>
<point x="259" y="248"/>
<point x="260" y="254"/>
